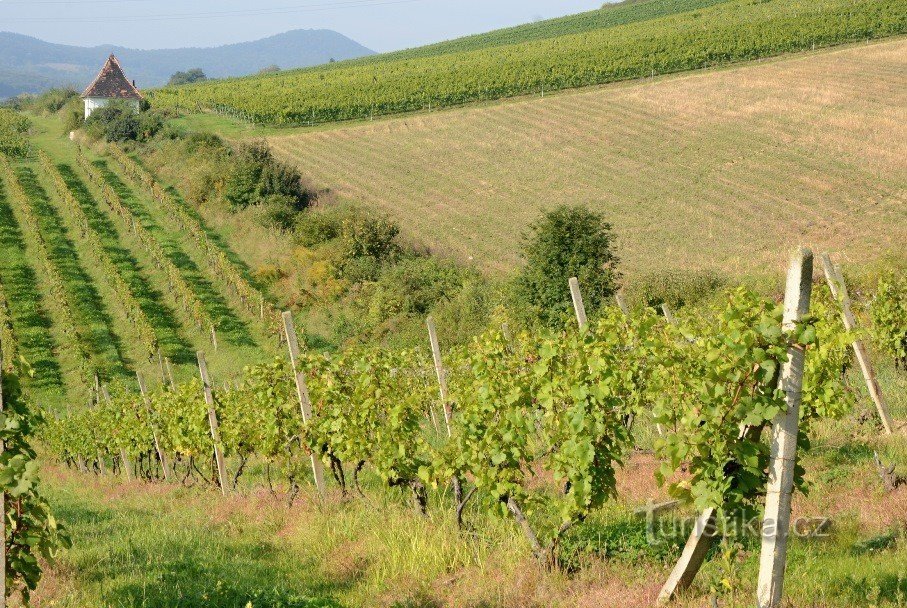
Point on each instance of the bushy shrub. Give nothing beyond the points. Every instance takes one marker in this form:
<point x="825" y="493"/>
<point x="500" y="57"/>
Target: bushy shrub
<point x="413" y="287"/>
<point x="567" y="242"/>
<point x="118" y="122"/>
<point x="318" y="226"/>
<point x="366" y="243"/>
<point x="260" y="179"/>
<point x="674" y="287"/>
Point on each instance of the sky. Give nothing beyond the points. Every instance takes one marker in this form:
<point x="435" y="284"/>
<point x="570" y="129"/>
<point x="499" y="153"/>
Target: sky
<point x="382" y="25"/>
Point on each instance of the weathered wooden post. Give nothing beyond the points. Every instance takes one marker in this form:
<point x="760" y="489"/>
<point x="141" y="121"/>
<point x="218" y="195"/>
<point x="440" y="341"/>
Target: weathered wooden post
<point x="692" y="557"/>
<point x="170" y="373"/>
<point x="157" y="442"/>
<point x="212" y="421"/>
<point x="302" y="392"/>
<point x="124" y="457"/>
<point x="439" y="371"/>
<point x="669" y="315"/>
<point x="839" y="292"/>
<point x="578" y="306"/>
<point x="622" y="302"/>
<point x="214" y="337"/>
<point x="785" y="427"/>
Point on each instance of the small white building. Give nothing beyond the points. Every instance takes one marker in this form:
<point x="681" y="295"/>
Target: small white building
<point x="111" y="83"/>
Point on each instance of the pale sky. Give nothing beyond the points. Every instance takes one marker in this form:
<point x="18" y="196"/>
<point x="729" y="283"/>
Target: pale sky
<point x="381" y="25"/>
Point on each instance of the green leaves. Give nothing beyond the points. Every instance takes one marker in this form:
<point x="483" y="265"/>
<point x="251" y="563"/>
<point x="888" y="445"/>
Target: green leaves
<point x="889" y="317"/>
<point x="31" y="530"/>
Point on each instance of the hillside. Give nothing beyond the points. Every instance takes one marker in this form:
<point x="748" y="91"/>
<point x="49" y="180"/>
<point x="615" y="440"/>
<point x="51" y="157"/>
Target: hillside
<point x="29" y="65"/>
<point x="644" y="39"/>
<point x="720" y="169"/>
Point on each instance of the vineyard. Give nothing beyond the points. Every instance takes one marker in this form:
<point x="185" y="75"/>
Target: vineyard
<point x="744" y="440"/>
<point x="712" y="35"/>
<point x="565" y="405"/>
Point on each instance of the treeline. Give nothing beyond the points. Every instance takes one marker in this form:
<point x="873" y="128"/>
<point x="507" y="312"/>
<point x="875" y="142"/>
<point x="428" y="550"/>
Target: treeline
<point x="732" y="31"/>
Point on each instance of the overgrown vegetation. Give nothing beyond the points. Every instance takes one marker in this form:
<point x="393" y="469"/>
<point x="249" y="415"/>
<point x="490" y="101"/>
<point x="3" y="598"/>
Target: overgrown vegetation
<point x="13" y="133"/>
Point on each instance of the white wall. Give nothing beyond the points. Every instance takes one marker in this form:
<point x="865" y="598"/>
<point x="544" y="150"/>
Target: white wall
<point x="93" y="103"/>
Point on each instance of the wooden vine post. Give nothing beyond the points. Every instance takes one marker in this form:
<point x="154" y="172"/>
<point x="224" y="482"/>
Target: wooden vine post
<point x="785" y="428"/>
<point x="781" y="470"/>
<point x="170" y="373"/>
<point x="2" y="503"/>
<point x="124" y="457"/>
<point x="212" y="421"/>
<point x="578" y="306"/>
<point x="839" y="292"/>
<point x="157" y="442"/>
<point x="668" y="313"/>
<point x="622" y="302"/>
<point x="302" y="392"/>
<point x="439" y="371"/>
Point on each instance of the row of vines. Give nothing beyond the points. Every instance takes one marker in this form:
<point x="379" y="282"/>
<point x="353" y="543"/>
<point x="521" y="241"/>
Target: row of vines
<point x="74" y="340"/>
<point x="560" y="405"/>
<point x="142" y="325"/>
<point x="217" y="260"/>
<point x="737" y="30"/>
<point x="13" y="133"/>
<point x="178" y="285"/>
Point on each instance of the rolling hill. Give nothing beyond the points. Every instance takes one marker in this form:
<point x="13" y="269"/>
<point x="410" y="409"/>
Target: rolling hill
<point x="616" y="43"/>
<point x="711" y="170"/>
<point x="29" y="65"/>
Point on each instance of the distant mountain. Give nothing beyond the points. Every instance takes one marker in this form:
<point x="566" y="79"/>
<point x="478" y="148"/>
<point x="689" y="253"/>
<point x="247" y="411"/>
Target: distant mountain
<point x="29" y="65"/>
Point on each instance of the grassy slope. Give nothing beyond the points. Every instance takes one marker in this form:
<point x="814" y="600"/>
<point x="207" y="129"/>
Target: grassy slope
<point x="719" y="169"/>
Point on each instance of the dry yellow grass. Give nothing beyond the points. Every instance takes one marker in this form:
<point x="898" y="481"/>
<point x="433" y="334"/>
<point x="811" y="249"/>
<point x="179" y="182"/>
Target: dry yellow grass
<point x="713" y="170"/>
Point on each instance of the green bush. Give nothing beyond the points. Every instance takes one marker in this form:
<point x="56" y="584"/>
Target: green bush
<point x="259" y="179"/>
<point x="676" y="288"/>
<point x="318" y="226"/>
<point x="567" y="242"/>
<point x="119" y="122"/>
<point x="413" y="287"/>
<point x="366" y="243"/>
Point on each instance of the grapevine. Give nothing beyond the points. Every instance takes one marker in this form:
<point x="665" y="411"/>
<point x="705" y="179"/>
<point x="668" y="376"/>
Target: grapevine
<point x="191" y="303"/>
<point x="123" y="289"/>
<point x="32" y="532"/>
<point x="218" y="261"/>
<point x="74" y="339"/>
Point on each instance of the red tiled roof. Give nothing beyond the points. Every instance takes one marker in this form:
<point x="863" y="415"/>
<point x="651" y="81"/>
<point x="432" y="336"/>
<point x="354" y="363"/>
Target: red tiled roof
<point x="111" y="83"/>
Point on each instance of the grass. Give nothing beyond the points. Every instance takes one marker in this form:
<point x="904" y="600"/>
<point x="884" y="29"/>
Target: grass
<point x="719" y="170"/>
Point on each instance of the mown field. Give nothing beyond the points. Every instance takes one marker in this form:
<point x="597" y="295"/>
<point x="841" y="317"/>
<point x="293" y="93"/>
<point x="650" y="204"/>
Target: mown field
<point x="714" y="170"/>
<point x="643" y="39"/>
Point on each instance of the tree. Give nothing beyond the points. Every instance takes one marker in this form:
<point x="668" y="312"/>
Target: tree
<point x="567" y="242"/>
<point x="271" y="69"/>
<point x="187" y="77"/>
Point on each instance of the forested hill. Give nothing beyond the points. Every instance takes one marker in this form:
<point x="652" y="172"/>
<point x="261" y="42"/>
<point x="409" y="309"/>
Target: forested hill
<point x="29" y="65"/>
